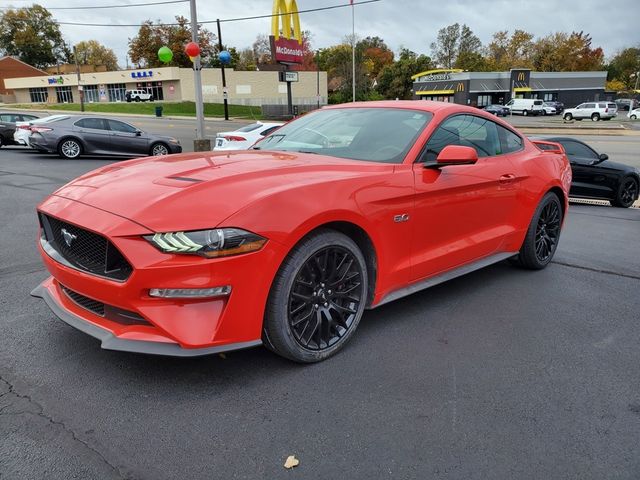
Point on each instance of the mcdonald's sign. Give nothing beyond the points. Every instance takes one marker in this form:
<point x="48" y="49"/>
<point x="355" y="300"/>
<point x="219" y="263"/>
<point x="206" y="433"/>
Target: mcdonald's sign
<point x="286" y="35"/>
<point x="460" y="87"/>
<point x="521" y="76"/>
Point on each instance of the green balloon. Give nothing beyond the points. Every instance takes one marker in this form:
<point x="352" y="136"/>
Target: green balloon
<point x="165" y="54"/>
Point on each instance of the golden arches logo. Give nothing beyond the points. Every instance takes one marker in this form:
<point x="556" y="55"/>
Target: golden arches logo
<point x="460" y="87"/>
<point x="287" y="10"/>
<point x="521" y="76"/>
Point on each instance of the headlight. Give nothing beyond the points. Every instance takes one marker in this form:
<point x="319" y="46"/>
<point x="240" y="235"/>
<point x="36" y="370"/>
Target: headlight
<point x="219" y="242"/>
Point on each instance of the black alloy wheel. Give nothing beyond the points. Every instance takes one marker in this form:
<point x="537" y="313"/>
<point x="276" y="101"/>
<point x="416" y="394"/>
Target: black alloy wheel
<point x="541" y="241"/>
<point x="627" y="193"/>
<point x="317" y="298"/>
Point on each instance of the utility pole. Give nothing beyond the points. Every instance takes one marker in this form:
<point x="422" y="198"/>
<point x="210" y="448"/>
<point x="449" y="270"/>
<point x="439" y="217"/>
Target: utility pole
<point x="200" y="143"/>
<point x="353" y="50"/>
<point x="224" y="79"/>
<point x="80" y="88"/>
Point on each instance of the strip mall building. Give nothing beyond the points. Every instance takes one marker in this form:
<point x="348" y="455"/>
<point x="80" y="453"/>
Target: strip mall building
<point x="171" y="84"/>
<point x="485" y="88"/>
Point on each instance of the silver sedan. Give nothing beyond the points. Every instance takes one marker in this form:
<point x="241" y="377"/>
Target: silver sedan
<point x="75" y="135"/>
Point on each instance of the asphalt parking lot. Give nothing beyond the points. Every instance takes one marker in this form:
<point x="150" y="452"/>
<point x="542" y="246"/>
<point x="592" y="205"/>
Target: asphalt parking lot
<point x="501" y="374"/>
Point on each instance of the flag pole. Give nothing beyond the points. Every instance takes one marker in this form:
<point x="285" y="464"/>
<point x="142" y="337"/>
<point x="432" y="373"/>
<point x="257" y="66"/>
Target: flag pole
<point x="353" y="51"/>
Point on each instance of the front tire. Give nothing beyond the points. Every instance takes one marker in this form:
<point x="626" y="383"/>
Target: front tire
<point x="158" y="149"/>
<point x="69" y="148"/>
<point x="568" y="117"/>
<point x="541" y="241"/>
<point x="626" y="194"/>
<point x="525" y="113"/>
<point x="317" y="298"/>
<point x="595" y="117"/>
<point x="633" y="117"/>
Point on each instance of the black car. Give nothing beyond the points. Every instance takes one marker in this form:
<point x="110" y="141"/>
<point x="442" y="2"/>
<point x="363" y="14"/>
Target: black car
<point x="7" y="129"/>
<point x="595" y="176"/>
<point x="498" y="110"/>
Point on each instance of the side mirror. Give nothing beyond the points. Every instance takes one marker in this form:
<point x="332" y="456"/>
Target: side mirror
<point x="138" y="133"/>
<point x="603" y="157"/>
<point x="456" y="155"/>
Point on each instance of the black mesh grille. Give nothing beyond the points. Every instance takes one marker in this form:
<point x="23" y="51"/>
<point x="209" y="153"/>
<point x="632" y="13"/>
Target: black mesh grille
<point x="115" y="314"/>
<point x="85" y="250"/>
<point x="85" y="302"/>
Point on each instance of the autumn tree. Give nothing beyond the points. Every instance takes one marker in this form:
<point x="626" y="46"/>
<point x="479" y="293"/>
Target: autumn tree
<point x="143" y="48"/>
<point x="562" y="52"/>
<point x="33" y="36"/>
<point x="625" y="67"/>
<point x="376" y="54"/>
<point x="510" y="51"/>
<point x="395" y="80"/>
<point x="445" y="48"/>
<point x="262" y="50"/>
<point x="246" y="60"/>
<point x="458" y="47"/>
<point x="92" y="52"/>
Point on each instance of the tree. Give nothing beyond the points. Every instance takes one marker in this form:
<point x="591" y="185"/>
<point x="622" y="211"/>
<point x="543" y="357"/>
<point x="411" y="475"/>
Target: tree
<point x="377" y="55"/>
<point x="246" y="60"/>
<point x="625" y="67"/>
<point x="262" y="50"/>
<point x="395" y="81"/>
<point x="143" y="48"/>
<point x="308" y="55"/>
<point x="92" y="52"/>
<point x="562" y="52"/>
<point x="458" y="47"/>
<point x="31" y="34"/>
<point x="505" y="52"/>
<point x="445" y="48"/>
<point x="469" y="55"/>
<point x="215" y="62"/>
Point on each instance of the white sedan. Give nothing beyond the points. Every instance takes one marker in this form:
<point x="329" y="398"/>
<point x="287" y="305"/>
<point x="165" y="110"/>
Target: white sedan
<point x="244" y="137"/>
<point x="23" y="129"/>
<point x="548" y="109"/>
<point x="634" y="114"/>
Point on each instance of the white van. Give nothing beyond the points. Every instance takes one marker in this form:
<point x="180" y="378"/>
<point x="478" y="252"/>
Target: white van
<point x="525" y="106"/>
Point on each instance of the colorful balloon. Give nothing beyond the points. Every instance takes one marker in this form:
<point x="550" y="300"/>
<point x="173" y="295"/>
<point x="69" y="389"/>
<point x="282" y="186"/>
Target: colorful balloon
<point x="193" y="59"/>
<point x="192" y="49"/>
<point x="165" y="54"/>
<point x="224" y="57"/>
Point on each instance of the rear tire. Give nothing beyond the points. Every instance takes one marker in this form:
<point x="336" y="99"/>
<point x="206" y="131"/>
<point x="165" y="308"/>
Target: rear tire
<point x="70" y="148"/>
<point x="1" y="141"/>
<point x="541" y="241"/>
<point x="626" y="194"/>
<point x="317" y="298"/>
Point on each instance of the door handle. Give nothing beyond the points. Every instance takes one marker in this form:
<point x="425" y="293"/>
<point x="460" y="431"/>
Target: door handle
<point x="507" y="178"/>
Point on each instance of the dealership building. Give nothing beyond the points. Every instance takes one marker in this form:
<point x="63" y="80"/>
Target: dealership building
<point x="171" y="84"/>
<point x="485" y="88"/>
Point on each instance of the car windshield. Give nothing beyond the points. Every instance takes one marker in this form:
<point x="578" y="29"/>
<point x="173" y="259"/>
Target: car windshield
<point x="372" y="134"/>
<point x="249" y="128"/>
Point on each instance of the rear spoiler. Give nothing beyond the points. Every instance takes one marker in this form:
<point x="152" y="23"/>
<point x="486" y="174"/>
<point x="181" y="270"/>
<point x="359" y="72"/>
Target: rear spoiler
<point x="549" y="147"/>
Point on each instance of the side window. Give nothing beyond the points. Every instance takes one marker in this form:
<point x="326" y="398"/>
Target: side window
<point x="465" y="130"/>
<point x="589" y="105"/>
<point x="121" y="126"/>
<point x="509" y="141"/>
<point x="4" y="118"/>
<point x="94" y="123"/>
<point x="579" y="152"/>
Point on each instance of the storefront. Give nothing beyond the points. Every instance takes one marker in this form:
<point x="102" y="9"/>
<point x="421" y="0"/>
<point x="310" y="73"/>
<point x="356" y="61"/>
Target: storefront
<point x="485" y="88"/>
<point x="170" y="84"/>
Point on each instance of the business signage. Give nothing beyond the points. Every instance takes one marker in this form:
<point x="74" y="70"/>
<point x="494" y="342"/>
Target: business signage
<point x="286" y="35"/>
<point x="288" y="76"/>
<point x="437" y="75"/>
<point x="142" y="74"/>
<point x="56" y="81"/>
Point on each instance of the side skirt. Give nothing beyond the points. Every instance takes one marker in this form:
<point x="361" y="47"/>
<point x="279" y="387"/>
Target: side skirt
<point x="443" y="277"/>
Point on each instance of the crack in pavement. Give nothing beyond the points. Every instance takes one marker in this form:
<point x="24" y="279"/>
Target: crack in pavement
<point x="597" y="270"/>
<point x="40" y="413"/>
<point x="21" y="269"/>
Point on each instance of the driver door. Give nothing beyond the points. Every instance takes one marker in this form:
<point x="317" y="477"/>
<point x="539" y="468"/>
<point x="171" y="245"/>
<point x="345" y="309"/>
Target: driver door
<point x="589" y="179"/>
<point x="127" y="139"/>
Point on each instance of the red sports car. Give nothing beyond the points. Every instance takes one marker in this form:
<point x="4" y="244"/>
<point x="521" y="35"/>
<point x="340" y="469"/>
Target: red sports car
<point x="287" y="244"/>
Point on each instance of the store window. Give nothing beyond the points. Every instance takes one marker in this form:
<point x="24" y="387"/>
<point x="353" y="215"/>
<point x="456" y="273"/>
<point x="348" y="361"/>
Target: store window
<point x="484" y="100"/>
<point x="155" y="89"/>
<point x="438" y="98"/>
<point x="91" y="93"/>
<point x="39" y="95"/>
<point x="64" y="95"/>
<point x="116" y="92"/>
<point x="549" y="97"/>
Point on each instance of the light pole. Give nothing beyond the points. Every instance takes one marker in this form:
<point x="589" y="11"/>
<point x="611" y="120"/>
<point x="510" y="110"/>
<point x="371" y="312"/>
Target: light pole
<point x="200" y="143"/>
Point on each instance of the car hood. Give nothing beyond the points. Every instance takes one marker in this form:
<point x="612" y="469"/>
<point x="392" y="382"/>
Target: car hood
<point x="197" y="191"/>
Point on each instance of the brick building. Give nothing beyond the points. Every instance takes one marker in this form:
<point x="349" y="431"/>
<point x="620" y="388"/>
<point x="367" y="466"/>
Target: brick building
<point x="13" y="68"/>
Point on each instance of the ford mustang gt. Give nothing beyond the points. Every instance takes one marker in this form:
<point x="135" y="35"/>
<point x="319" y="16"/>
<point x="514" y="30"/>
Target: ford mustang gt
<point x="287" y="244"/>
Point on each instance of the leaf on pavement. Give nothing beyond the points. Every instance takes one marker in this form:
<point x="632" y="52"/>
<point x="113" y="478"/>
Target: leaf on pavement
<point x="291" y="462"/>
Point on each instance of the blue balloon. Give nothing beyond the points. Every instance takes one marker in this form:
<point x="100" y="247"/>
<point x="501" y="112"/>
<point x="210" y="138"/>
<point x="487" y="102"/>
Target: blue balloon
<point x="224" y="57"/>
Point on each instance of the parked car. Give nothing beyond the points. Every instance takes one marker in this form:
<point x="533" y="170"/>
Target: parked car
<point x="23" y="129"/>
<point x="7" y="129"/>
<point x="16" y="117"/>
<point x="78" y="135"/>
<point x="625" y="104"/>
<point x="244" y="137"/>
<point x="559" y="106"/>
<point x="497" y="110"/>
<point x="525" y="106"/>
<point x="595" y="176"/>
<point x="634" y="114"/>
<point x="138" y="96"/>
<point x="548" y="109"/>
<point x="593" y="110"/>
<point x="288" y="243"/>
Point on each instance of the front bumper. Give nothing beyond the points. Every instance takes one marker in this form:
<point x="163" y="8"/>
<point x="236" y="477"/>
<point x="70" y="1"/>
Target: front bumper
<point x="175" y="148"/>
<point x="177" y="327"/>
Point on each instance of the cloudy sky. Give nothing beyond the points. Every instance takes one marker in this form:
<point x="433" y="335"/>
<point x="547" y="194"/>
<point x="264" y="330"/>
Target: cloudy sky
<point x="401" y="23"/>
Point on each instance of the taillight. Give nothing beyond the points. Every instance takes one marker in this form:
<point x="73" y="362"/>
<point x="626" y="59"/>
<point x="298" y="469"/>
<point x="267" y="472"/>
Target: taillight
<point x="606" y="110"/>
<point x="234" y="138"/>
<point x="41" y="129"/>
<point x="24" y="127"/>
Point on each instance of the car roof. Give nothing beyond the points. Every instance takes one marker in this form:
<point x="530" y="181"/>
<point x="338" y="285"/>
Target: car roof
<point x="424" y="105"/>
